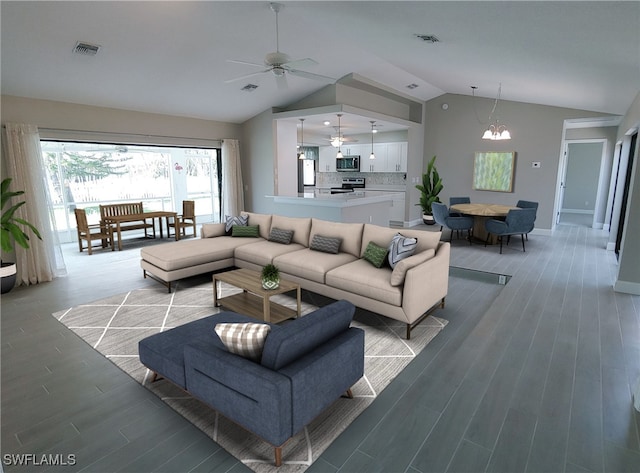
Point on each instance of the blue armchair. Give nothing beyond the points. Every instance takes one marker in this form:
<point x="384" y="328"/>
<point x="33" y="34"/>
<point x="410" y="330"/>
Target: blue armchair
<point x="458" y="200"/>
<point x="527" y="204"/>
<point x="518" y="222"/>
<point x="442" y="217"/>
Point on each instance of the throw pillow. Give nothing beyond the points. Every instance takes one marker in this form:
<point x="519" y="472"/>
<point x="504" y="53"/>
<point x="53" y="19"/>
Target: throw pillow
<point x="400" y="271"/>
<point x="245" y="339"/>
<point x="326" y="244"/>
<point x="232" y="221"/>
<point x="400" y="248"/>
<point x="245" y="231"/>
<point x="375" y="254"/>
<point x="279" y="235"/>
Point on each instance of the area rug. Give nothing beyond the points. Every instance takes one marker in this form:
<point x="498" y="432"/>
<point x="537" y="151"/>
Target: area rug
<point x="114" y="325"/>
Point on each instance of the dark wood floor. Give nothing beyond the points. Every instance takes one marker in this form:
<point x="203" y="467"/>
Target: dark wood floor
<point x="534" y="376"/>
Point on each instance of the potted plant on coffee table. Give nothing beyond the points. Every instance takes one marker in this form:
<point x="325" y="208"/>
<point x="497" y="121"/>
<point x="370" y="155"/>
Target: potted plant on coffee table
<point x="12" y="229"/>
<point x="270" y="277"/>
<point x="429" y="190"/>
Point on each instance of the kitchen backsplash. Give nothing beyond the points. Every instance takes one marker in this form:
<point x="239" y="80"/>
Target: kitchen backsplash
<point x="334" y="179"/>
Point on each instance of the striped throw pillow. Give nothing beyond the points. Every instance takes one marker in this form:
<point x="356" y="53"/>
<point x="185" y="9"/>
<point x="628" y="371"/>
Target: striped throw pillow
<point x="375" y="254"/>
<point x="325" y="244"/>
<point x="400" y="248"/>
<point x="245" y="231"/>
<point x="245" y="339"/>
<point x="230" y="221"/>
<point x="279" y="235"/>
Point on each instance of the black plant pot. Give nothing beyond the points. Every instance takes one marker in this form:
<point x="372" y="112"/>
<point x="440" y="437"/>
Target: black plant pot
<point x="8" y="276"/>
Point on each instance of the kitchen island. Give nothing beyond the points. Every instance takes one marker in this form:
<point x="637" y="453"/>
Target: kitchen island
<point x="361" y="206"/>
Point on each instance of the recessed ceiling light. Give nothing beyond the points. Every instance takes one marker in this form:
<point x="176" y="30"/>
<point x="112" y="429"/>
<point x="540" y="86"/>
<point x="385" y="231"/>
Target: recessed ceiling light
<point x="412" y="86"/>
<point x="249" y="87"/>
<point x="429" y="38"/>
<point x="327" y="123"/>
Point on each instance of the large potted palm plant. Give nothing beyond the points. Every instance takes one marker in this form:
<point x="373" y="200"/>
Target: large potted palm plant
<point x="12" y="229"/>
<point x="429" y="190"/>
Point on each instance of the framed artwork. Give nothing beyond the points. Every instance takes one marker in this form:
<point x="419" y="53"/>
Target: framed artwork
<point x="493" y="171"/>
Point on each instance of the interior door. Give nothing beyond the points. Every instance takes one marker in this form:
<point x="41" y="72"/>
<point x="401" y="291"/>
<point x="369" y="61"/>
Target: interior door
<point x="625" y="193"/>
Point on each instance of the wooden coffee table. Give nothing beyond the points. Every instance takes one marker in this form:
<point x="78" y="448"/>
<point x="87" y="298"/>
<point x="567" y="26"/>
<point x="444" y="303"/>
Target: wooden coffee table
<point x="254" y="300"/>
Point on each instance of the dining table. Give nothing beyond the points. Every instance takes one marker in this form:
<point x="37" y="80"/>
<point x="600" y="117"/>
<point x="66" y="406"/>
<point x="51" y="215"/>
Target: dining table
<point x="117" y="220"/>
<point x="482" y="212"/>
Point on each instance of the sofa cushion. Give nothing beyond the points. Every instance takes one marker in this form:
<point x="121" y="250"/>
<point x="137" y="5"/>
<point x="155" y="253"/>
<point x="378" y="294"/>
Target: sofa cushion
<point x="292" y="340"/>
<point x="263" y="252"/>
<point x="279" y="235"/>
<point x="187" y="253"/>
<point x="231" y="221"/>
<point x="400" y="271"/>
<point x="376" y="255"/>
<point x="361" y="278"/>
<point x="401" y="247"/>
<point x="351" y="234"/>
<point x="311" y="265"/>
<point x="300" y="226"/>
<point x="382" y="236"/>
<point x="244" y="231"/>
<point x="325" y="244"/>
<point x="244" y="339"/>
<point x="264" y="220"/>
<point x="211" y="230"/>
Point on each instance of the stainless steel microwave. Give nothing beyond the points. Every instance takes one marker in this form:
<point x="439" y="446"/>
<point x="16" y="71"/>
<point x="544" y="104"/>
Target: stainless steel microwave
<point x="348" y="163"/>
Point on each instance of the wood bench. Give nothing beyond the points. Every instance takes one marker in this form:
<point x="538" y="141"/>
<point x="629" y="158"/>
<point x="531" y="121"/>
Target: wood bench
<point x="132" y="209"/>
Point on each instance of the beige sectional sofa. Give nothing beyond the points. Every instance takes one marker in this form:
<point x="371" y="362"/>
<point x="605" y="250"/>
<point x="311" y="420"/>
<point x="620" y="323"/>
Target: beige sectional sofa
<point x="407" y="293"/>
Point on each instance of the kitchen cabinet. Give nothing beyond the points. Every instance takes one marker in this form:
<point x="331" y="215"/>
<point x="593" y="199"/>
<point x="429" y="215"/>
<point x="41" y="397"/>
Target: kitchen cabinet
<point x="390" y="157"/>
<point x="397" y="157"/>
<point x="396" y="213"/>
<point x="327" y="160"/>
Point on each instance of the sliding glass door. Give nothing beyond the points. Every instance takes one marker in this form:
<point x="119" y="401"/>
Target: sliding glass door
<point x="85" y="175"/>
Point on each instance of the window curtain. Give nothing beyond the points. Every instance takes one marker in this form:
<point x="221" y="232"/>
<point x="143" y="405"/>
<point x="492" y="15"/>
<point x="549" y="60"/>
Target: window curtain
<point x="23" y="156"/>
<point x="232" y="186"/>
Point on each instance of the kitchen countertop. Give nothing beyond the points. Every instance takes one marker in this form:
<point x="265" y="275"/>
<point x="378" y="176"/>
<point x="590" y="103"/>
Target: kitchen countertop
<point x="351" y="199"/>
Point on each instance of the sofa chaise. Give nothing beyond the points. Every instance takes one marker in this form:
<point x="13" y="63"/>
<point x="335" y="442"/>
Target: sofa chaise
<point x="282" y="390"/>
<point x="407" y="293"/>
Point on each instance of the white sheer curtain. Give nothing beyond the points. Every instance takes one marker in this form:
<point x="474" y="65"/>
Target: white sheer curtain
<point x="23" y="156"/>
<point x="232" y="186"/>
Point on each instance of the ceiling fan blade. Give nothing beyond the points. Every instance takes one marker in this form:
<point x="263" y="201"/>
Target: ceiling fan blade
<point x="246" y="63"/>
<point x="300" y="63"/>
<point x="310" y="75"/>
<point x="247" y="76"/>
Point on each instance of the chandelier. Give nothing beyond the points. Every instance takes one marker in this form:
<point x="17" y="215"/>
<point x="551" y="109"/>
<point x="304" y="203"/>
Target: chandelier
<point x="495" y="130"/>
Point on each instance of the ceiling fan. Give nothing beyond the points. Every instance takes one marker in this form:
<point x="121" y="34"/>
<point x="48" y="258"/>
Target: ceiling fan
<point x="280" y="63"/>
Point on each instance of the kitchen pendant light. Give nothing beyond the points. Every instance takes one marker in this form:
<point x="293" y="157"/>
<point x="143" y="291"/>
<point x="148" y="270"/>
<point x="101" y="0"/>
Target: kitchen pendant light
<point x="339" y="155"/>
<point x="372" y="156"/>
<point x="301" y="155"/>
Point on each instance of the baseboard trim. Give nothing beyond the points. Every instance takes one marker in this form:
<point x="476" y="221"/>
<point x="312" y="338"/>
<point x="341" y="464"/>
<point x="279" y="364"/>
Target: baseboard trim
<point x="611" y="246"/>
<point x="627" y="287"/>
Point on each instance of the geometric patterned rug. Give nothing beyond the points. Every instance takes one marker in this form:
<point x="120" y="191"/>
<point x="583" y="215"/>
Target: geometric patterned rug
<point x="114" y="325"/>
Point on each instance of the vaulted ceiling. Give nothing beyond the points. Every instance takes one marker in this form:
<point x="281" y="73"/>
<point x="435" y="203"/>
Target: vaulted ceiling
<point x="171" y="57"/>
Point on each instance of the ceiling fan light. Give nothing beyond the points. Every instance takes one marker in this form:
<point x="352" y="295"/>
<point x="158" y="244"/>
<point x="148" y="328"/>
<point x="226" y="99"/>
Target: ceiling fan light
<point x="336" y="142"/>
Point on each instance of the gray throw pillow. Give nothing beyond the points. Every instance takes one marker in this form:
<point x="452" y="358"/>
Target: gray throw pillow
<point x="326" y="244"/>
<point x="278" y="235"/>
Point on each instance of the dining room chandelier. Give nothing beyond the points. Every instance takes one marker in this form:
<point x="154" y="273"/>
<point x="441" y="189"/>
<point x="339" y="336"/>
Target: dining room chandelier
<point x="496" y="130"/>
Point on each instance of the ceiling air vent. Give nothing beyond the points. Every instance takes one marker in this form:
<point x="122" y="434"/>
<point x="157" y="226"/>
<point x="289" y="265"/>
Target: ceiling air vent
<point x="249" y="87"/>
<point x="86" y="48"/>
<point x="429" y="38"/>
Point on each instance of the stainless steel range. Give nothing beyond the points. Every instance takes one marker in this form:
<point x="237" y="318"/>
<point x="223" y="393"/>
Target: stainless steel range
<point x="349" y="184"/>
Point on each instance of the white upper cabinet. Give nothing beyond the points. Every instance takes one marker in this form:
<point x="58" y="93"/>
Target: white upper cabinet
<point x="327" y="161"/>
<point x="397" y="157"/>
